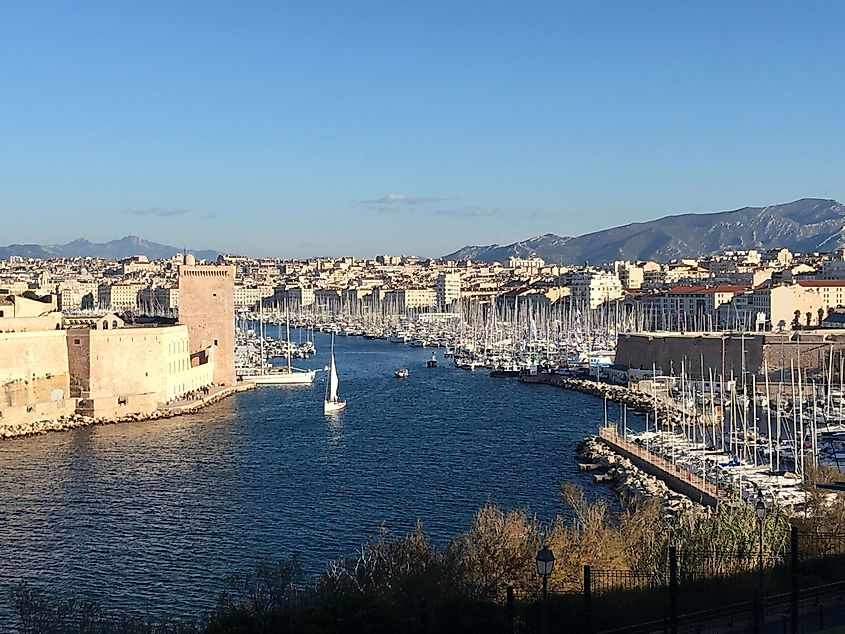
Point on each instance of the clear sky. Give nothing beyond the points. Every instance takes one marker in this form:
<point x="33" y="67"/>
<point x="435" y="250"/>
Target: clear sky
<point x="329" y="128"/>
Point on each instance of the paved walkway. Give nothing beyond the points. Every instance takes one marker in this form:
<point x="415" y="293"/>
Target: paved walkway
<point x="215" y="393"/>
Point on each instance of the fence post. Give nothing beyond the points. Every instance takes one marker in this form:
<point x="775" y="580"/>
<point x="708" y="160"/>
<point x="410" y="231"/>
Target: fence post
<point x="793" y="575"/>
<point x="423" y="616"/>
<point x="588" y="599"/>
<point x="510" y="610"/>
<point x="673" y="590"/>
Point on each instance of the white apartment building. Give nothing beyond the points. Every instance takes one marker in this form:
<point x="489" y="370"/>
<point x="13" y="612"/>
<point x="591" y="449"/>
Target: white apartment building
<point x="118" y="296"/>
<point x="409" y="298"/>
<point x="591" y="289"/>
<point x="532" y="265"/>
<point x="688" y="307"/>
<point x="448" y="288"/>
<point x="299" y="296"/>
<point x="630" y="275"/>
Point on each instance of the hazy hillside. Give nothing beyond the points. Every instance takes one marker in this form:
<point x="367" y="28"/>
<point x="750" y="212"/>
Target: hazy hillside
<point x="806" y="225"/>
<point x="116" y="249"/>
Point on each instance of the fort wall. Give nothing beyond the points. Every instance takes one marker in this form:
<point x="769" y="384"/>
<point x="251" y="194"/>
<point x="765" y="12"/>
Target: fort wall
<point x="727" y="353"/>
<point x="34" y="368"/>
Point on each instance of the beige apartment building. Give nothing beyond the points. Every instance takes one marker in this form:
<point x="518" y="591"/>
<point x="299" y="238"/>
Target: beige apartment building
<point x="119" y="296"/>
<point x="777" y="305"/>
<point x="409" y="298"/>
<point x="831" y="292"/>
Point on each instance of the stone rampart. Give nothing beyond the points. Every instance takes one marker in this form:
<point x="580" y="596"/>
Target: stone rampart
<point x="33" y="368"/>
<point x="727" y="353"/>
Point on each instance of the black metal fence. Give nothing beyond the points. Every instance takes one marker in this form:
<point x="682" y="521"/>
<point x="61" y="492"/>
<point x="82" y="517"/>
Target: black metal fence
<point x="712" y="590"/>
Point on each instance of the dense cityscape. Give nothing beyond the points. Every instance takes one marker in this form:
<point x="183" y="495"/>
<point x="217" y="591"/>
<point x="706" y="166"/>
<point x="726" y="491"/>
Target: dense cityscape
<point x="251" y="382"/>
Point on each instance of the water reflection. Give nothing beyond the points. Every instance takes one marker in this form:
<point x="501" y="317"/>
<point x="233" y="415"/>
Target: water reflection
<point x="151" y="516"/>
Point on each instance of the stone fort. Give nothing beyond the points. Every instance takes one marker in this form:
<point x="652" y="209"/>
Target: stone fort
<point x="100" y="366"/>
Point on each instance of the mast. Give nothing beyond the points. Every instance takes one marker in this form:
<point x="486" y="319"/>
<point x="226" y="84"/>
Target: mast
<point x="287" y="336"/>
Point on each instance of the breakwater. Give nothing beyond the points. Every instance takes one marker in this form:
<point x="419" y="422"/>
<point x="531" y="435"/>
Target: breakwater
<point x="76" y="421"/>
<point x="641" y="403"/>
<point x="627" y="480"/>
<point x="633" y="473"/>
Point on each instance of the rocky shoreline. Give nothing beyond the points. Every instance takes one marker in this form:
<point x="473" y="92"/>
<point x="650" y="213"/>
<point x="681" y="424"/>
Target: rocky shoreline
<point x="638" y="402"/>
<point x="629" y="483"/>
<point x="77" y="421"/>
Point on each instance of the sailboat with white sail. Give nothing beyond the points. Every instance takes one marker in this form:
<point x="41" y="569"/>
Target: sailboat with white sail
<point x="332" y="403"/>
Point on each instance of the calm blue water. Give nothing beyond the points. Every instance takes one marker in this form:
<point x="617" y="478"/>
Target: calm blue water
<point x="150" y="517"/>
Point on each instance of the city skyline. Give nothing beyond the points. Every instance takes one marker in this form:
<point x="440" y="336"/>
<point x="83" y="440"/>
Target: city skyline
<point x="298" y="131"/>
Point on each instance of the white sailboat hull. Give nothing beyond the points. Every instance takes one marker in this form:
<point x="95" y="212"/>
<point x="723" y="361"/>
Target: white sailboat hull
<point x="283" y="378"/>
<point x="330" y="407"/>
<point x="332" y="403"/>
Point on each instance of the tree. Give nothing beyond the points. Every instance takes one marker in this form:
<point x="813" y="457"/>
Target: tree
<point x="808" y="316"/>
<point x="821" y="315"/>
<point x="796" y="320"/>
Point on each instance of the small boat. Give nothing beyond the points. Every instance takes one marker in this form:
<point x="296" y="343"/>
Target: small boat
<point x="332" y="403"/>
<point x="502" y="373"/>
<point x="401" y="373"/>
<point x="432" y="363"/>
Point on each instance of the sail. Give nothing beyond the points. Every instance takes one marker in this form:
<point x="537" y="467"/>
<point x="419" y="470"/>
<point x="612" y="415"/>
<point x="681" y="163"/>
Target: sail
<point x="333" y="382"/>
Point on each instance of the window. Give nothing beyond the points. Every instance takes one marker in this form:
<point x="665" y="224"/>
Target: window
<point x="76" y="342"/>
<point x="215" y="342"/>
<point x="105" y="325"/>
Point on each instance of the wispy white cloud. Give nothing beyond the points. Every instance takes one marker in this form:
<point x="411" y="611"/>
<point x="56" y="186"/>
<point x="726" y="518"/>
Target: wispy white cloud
<point x="395" y="203"/>
<point x="161" y="212"/>
<point x="467" y="212"/>
<point x="402" y="199"/>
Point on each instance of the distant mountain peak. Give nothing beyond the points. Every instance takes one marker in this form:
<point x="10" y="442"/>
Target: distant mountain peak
<point x="804" y="225"/>
<point x="125" y="247"/>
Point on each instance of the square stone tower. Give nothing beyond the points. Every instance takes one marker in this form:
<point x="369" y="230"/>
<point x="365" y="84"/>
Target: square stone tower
<point x="207" y="307"/>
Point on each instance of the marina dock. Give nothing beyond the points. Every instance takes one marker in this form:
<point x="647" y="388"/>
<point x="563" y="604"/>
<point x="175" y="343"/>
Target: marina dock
<point x="676" y="478"/>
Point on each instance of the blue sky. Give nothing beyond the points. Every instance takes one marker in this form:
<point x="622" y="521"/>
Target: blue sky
<point x="329" y="128"/>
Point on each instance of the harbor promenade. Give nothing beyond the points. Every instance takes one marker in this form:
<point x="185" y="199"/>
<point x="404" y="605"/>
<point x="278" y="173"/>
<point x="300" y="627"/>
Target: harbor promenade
<point x="676" y="478"/>
<point x="215" y="393"/>
<point x="75" y="421"/>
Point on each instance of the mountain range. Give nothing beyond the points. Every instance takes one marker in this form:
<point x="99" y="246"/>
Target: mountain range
<point x="803" y="226"/>
<point x="116" y="250"/>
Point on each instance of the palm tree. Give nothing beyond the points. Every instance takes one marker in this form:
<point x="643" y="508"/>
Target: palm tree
<point x="821" y="315"/>
<point x="808" y="316"/>
<point x="796" y="321"/>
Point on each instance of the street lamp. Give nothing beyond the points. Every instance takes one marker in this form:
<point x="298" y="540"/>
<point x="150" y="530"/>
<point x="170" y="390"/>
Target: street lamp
<point x="545" y="563"/>
<point x="761" y="510"/>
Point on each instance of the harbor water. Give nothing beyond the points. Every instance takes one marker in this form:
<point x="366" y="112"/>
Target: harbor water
<point x="150" y="517"/>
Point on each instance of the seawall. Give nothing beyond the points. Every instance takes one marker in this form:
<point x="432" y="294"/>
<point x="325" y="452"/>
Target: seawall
<point x="75" y="421"/>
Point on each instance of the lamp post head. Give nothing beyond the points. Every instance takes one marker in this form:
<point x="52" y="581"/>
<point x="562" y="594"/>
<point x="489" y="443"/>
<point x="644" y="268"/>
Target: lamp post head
<point x="760" y="508"/>
<point x="545" y="561"/>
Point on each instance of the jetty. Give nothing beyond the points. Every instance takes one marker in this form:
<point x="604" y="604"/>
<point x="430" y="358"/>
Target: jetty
<point x="676" y="478"/>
